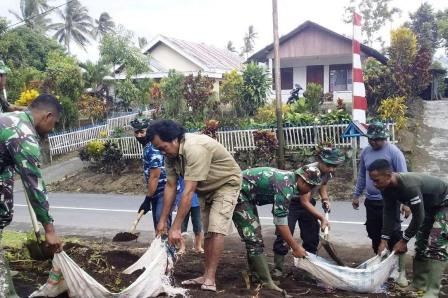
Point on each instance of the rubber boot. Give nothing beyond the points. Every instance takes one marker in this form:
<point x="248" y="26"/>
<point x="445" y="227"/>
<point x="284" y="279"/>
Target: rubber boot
<point x="402" y="281"/>
<point x="279" y="260"/>
<point x="434" y="279"/>
<point x="420" y="268"/>
<point x="261" y="269"/>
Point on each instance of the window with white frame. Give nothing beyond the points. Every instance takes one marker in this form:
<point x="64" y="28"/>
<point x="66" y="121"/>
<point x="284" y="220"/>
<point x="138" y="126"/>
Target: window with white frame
<point x="340" y="77"/>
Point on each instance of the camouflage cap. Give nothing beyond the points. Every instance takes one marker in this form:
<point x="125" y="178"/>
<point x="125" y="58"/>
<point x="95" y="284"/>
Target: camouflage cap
<point x="332" y="156"/>
<point x="377" y="130"/>
<point x="310" y="174"/>
<point x="139" y="123"/>
<point x="3" y="68"/>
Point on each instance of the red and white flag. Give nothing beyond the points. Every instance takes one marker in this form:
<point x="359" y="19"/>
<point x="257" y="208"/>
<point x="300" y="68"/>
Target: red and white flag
<point x="359" y="91"/>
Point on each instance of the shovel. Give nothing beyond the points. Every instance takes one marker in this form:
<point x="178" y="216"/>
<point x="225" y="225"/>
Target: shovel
<point x="37" y="249"/>
<point x="325" y="242"/>
<point x="132" y="234"/>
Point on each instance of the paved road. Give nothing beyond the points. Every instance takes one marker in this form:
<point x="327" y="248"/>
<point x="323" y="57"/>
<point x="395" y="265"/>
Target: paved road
<point x="104" y="215"/>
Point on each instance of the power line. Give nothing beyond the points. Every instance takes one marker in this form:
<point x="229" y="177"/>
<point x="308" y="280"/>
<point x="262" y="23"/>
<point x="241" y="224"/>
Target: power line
<point x="39" y="14"/>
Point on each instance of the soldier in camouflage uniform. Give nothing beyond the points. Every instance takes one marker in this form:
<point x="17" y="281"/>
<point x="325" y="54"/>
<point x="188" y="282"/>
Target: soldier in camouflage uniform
<point x="427" y="196"/>
<point x="263" y="186"/>
<point x="303" y="210"/>
<point x="20" y="152"/>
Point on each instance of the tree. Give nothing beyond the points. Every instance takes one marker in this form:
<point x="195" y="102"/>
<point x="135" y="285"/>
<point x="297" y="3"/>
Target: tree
<point x="103" y="25"/>
<point x="257" y="86"/>
<point x="64" y="76"/>
<point x="249" y="42"/>
<point x="402" y="53"/>
<point x="94" y="73"/>
<point x="3" y="25"/>
<point x="231" y="47"/>
<point x="231" y="88"/>
<point x="31" y="13"/>
<point x="378" y="83"/>
<point x="142" y="42"/>
<point x="76" y="25"/>
<point x="442" y="25"/>
<point x="424" y="25"/>
<point x="420" y="70"/>
<point x="197" y="92"/>
<point x="21" y="47"/>
<point x="172" y="92"/>
<point x="375" y="14"/>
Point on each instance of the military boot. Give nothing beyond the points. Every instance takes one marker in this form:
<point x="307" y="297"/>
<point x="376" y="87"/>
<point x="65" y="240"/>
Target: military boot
<point x="434" y="279"/>
<point x="279" y="260"/>
<point x="261" y="269"/>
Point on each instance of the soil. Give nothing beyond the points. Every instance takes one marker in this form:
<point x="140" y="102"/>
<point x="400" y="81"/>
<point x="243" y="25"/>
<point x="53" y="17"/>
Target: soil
<point x="105" y="260"/>
<point x="130" y="181"/>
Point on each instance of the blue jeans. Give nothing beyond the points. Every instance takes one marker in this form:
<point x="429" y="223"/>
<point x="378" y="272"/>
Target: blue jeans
<point x="195" y="213"/>
<point x="157" y="208"/>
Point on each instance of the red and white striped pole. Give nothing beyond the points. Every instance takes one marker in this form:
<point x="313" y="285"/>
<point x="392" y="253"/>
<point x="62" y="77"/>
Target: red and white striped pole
<point x="359" y="91"/>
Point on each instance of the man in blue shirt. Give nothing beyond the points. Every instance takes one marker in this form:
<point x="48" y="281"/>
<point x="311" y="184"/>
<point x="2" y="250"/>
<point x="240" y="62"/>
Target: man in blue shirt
<point x="379" y="148"/>
<point x="154" y="172"/>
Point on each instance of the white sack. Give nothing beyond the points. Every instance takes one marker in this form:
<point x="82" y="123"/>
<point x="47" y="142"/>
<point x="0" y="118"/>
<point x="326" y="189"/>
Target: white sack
<point x="366" y="278"/>
<point x="151" y="283"/>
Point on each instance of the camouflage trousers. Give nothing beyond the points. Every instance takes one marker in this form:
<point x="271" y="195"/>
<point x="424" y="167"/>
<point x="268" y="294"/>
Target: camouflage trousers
<point x="6" y="198"/>
<point x="245" y="217"/>
<point x="6" y="286"/>
<point x="432" y="238"/>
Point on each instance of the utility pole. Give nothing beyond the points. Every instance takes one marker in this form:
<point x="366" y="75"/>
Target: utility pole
<point x="278" y="96"/>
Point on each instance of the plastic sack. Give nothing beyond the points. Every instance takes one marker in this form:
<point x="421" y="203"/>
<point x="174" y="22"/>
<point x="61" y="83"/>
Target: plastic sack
<point x="151" y="283"/>
<point x="366" y="278"/>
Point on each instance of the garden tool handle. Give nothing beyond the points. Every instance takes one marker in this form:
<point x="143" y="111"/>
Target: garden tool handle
<point x="139" y="216"/>
<point x="33" y="218"/>
<point x="327" y="217"/>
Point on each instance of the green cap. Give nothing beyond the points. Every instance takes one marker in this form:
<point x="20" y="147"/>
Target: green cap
<point x="3" y="68"/>
<point x="310" y="174"/>
<point x="140" y="122"/>
<point x="332" y="156"/>
<point x="377" y="130"/>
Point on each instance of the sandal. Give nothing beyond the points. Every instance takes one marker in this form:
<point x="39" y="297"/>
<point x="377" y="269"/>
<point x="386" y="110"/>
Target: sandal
<point x="192" y="282"/>
<point x="211" y="288"/>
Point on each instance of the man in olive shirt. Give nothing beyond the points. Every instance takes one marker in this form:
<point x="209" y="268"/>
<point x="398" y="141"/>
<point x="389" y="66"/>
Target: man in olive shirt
<point x="427" y="197"/>
<point x="209" y="170"/>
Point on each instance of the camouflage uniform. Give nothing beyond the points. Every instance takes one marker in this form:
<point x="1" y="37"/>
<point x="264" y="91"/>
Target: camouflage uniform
<point x="20" y="151"/>
<point x="262" y="186"/>
<point x="432" y="237"/>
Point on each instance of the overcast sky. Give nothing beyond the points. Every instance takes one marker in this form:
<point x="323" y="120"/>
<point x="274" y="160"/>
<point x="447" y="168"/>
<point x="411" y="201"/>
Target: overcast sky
<point x="216" y="22"/>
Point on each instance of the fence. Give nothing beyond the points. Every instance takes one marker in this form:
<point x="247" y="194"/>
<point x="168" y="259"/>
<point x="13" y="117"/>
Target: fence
<point x="61" y="143"/>
<point x="235" y="140"/>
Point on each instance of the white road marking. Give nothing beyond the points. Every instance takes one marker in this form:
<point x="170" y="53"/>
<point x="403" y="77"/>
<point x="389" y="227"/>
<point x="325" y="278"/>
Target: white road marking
<point x="133" y="211"/>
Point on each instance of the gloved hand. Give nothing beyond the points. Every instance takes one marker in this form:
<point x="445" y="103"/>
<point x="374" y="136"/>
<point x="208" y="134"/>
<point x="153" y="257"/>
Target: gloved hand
<point x="146" y="205"/>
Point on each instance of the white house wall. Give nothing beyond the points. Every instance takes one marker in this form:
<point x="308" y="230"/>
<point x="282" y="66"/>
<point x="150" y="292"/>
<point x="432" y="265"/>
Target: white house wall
<point x="170" y="59"/>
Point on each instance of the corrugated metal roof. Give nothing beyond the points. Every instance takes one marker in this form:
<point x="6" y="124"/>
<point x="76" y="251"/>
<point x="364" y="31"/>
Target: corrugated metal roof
<point x="211" y="56"/>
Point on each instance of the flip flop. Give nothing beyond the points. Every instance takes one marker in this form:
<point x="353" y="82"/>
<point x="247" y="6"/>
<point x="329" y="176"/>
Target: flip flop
<point x="200" y="251"/>
<point x="211" y="288"/>
<point x="191" y="282"/>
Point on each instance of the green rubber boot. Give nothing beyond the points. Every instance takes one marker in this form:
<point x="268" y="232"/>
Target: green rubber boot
<point x="279" y="260"/>
<point x="434" y="279"/>
<point x="420" y="268"/>
<point x="402" y="281"/>
<point x="261" y="269"/>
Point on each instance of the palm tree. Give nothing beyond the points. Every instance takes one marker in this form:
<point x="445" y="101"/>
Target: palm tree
<point x="31" y="14"/>
<point x="94" y="73"/>
<point x="142" y="42"/>
<point x="231" y="47"/>
<point x="249" y="41"/>
<point x="76" y="25"/>
<point x="103" y="25"/>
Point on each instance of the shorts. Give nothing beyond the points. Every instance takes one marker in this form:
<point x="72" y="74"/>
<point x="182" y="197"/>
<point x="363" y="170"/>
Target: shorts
<point x="217" y="209"/>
